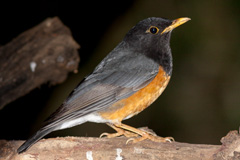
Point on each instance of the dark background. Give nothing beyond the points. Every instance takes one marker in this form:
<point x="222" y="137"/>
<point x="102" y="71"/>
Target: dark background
<point x="202" y="101"/>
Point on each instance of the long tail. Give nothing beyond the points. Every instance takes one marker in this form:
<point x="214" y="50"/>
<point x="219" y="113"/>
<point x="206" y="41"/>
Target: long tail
<point x="41" y="133"/>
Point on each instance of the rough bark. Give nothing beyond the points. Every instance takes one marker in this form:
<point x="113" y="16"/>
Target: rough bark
<point x="116" y="149"/>
<point x="45" y="53"/>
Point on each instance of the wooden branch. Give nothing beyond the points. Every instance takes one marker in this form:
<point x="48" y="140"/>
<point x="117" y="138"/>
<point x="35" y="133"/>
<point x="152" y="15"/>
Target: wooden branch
<point x="45" y="53"/>
<point x="116" y="149"/>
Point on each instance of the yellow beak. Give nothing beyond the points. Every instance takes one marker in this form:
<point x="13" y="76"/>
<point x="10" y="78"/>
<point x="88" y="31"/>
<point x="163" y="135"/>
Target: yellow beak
<point x="175" y="24"/>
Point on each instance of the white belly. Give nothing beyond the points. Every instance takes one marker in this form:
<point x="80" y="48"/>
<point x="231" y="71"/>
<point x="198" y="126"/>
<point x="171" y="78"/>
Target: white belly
<point x="88" y="118"/>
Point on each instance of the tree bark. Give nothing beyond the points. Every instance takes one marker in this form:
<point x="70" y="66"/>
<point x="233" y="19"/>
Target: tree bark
<point x="45" y="53"/>
<point x="75" y="148"/>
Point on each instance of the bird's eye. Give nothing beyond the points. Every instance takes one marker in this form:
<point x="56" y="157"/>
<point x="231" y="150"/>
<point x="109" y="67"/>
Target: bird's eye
<point x="153" y="30"/>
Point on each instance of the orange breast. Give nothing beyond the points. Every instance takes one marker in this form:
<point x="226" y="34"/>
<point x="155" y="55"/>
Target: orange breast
<point x="140" y="100"/>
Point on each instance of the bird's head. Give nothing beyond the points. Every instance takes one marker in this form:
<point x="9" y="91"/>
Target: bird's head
<point x="151" y="37"/>
<point x="152" y="33"/>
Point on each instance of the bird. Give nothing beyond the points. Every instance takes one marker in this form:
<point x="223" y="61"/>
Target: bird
<point x="128" y="80"/>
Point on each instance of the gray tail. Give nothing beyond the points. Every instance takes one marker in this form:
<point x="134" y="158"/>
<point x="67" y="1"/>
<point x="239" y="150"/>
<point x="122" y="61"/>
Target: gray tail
<point x="41" y="133"/>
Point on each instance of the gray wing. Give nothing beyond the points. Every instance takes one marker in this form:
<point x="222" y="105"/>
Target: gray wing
<point x="112" y="80"/>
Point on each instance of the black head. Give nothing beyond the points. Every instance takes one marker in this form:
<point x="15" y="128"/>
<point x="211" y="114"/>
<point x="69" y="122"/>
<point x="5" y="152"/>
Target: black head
<point x="151" y="37"/>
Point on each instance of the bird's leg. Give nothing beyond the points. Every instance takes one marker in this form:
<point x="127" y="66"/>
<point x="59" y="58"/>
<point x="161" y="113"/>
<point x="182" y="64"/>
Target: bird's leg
<point x="144" y="134"/>
<point x="120" y="132"/>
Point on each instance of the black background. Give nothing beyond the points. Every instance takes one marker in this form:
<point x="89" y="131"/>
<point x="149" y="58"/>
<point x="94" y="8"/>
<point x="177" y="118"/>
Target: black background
<point x="201" y="103"/>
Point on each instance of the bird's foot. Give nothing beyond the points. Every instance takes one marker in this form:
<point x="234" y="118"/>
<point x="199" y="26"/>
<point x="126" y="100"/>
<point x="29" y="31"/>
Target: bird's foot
<point x="147" y="133"/>
<point x="138" y="134"/>
<point x="150" y="137"/>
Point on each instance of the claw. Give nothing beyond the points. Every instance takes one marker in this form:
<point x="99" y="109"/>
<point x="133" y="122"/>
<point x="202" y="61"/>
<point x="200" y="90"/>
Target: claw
<point x="103" y="134"/>
<point x="169" y="139"/>
<point x="130" y="139"/>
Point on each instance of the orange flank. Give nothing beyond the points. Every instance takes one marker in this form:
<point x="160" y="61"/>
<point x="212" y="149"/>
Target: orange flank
<point x="140" y="100"/>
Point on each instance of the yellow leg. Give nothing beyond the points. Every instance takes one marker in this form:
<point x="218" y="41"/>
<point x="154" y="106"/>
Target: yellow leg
<point x="120" y="132"/>
<point x="128" y="131"/>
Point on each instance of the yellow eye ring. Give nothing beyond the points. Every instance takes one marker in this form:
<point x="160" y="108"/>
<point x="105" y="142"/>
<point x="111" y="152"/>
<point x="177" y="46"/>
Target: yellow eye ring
<point x="153" y="30"/>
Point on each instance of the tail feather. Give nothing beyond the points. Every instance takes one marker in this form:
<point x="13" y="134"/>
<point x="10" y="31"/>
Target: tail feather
<point x="41" y="133"/>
